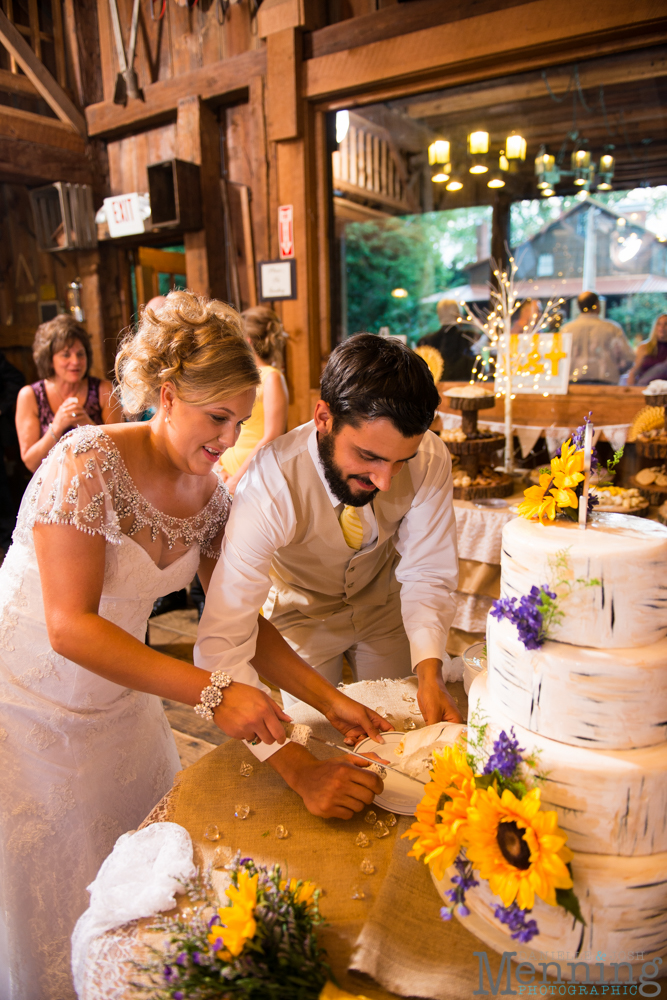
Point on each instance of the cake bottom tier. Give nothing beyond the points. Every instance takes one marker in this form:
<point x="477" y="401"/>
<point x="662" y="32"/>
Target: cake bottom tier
<point x="624" y="903"/>
<point x="609" y="802"/>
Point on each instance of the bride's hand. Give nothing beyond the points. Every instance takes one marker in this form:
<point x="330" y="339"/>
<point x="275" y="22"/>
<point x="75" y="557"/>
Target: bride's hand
<point x="246" y="713"/>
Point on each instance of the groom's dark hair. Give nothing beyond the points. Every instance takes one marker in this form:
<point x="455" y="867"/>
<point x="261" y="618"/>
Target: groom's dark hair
<point x="368" y="377"/>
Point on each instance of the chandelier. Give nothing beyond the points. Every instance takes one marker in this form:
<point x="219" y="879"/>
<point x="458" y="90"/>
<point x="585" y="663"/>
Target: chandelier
<point x="477" y="160"/>
<point x="584" y="172"/>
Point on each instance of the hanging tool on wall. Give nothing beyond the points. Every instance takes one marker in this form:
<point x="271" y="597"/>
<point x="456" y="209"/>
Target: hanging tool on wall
<point x="127" y="84"/>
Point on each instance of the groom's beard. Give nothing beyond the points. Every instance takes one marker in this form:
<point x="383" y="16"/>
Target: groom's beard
<point x="334" y="476"/>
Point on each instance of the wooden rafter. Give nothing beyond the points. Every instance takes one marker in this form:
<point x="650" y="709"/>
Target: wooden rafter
<point x="224" y="79"/>
<point x="17" y="124"/>
<point x="39" y="75"/>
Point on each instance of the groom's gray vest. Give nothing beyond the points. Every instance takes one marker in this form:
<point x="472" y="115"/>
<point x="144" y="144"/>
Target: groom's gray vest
<point x="317" y="573"/>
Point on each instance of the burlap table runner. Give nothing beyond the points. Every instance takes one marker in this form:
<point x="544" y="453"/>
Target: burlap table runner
<point x="394" y="931"/>
<point x="405" y="946"/>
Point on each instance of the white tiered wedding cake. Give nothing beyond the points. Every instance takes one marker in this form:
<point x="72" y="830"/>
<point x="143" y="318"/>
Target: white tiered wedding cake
<point x="592" y="702"/>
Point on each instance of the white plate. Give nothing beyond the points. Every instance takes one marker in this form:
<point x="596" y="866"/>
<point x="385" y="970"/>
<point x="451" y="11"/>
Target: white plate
<point x="401" y="794"/>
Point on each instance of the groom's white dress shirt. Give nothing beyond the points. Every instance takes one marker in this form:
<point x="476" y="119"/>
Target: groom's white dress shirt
<point x="263" y="521"/>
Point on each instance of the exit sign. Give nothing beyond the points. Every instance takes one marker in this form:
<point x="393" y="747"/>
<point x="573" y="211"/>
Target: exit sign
<point x="124" y="215"/>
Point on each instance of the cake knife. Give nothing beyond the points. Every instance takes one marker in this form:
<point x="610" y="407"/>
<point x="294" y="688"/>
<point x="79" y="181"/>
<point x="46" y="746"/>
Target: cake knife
<point x="388" y="767"/>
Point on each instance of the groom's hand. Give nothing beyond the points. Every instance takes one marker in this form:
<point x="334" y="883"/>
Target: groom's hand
<point x="435" y="702"/>
<point x="334" y="789"/>
<point x="246" y="713"/>
<point x="355" y="721"/>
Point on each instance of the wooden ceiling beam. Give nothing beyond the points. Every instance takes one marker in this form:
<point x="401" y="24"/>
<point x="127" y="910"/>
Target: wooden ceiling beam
<point x="533" y="36"/>
<point x="227" y="79"/>
<point x="647" y="65"/>
<point x="16" y="83"/>
<point x="16" y="124"/>
<point x="40" y="77"/>
<point x="24" y="162"/>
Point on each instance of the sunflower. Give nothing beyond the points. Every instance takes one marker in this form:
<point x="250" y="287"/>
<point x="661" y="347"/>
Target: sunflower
<point x="518" y="847"/>
<point x="442" y="815"/>
<point x="434" y="360"/>
<point x="303" y="892"/>
<point x="237" y="923"/>
<point x="538" y="503"/>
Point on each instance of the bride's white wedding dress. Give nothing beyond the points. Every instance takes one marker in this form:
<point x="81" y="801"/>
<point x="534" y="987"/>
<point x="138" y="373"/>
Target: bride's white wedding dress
<point x="82" y="760"/>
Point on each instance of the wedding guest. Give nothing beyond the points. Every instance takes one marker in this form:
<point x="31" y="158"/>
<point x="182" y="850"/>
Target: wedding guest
<point x="264" y="332"/>
<point x="651" y="355"/>
<point x="114" y="518"/>
<point x="600" y="350"/>
<point x="346" y="525"/>
<point x="65" y="396"/>
<point x="454" y="340"/>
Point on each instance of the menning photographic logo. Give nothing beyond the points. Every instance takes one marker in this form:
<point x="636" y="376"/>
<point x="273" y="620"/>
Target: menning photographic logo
<point x="553" y="983"/>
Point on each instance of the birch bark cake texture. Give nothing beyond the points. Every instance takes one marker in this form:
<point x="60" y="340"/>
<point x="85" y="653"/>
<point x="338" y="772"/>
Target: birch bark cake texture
<point x="591" y="703"/>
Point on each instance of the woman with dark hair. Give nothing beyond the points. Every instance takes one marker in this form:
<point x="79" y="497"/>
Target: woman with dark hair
<point x="65" y="396"/>
<point x="264" y="332"/>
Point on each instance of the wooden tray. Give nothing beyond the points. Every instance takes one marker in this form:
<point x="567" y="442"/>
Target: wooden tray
<point x="471" y="402"/>
<point x="503" y="488"/>
<point x="476" y="445"/>
<point x="651" y="449"/>
<point x="638" y="511"/>
<point x="655" y="495"/>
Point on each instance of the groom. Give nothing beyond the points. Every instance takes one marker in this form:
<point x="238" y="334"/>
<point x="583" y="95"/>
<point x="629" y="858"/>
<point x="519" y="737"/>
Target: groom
<point x="347" y="524"/>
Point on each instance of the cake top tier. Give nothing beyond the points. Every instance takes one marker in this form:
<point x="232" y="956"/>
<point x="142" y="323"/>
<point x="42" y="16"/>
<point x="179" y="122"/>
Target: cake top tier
<point x="610" y="579"/>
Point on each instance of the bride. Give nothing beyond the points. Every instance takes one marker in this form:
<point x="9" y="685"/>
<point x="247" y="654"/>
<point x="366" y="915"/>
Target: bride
<point x="114" y="518"/>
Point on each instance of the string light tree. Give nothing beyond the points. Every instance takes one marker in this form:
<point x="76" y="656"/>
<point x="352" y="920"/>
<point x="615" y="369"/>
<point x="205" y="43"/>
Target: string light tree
<point x="512" y="367"/>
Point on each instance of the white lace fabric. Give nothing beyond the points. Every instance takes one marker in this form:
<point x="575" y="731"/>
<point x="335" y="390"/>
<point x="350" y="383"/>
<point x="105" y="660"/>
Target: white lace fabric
<point x="82" y="759"/>
<point x="140" y="878"/>
<point x="84" y="482"/>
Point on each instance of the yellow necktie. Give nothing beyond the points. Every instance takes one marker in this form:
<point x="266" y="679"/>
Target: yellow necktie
<point x="351" y="526"/>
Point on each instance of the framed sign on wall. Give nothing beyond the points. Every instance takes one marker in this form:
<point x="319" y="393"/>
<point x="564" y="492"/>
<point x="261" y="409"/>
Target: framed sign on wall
<point x="276" y="280"/>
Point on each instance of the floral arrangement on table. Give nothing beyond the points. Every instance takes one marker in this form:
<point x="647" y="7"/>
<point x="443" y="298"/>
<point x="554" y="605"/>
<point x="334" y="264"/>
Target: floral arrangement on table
<point x="261" y="945"/>
<point x="561" y="485"/>
<point x="486" y="820"/>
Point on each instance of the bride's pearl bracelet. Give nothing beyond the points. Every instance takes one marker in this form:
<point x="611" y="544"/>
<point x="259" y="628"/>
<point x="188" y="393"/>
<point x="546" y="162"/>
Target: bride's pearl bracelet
<point x="212" y="695"/>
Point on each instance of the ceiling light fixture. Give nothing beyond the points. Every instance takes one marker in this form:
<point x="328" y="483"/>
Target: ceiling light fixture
<point x="454" y="185"/>
<point x="515" y="147"/>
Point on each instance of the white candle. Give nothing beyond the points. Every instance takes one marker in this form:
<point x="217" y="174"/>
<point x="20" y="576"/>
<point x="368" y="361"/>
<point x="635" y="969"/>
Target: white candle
<point x="583" y="499"/>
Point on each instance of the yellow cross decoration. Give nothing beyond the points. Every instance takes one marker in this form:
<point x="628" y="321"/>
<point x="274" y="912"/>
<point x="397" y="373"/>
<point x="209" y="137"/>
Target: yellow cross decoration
<point x="556" y="354"/>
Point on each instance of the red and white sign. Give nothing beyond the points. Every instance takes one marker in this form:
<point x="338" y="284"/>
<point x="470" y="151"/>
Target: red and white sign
<point x="286" y="231"/>
<point x="124" y="215"/>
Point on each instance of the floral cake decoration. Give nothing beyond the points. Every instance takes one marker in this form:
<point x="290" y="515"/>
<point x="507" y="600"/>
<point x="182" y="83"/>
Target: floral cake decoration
<point x="561" y="485"/>
<point x="485" y="818"/>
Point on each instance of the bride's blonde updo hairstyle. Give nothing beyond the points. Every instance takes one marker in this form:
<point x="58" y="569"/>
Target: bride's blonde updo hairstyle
<point x="196" y="344"/>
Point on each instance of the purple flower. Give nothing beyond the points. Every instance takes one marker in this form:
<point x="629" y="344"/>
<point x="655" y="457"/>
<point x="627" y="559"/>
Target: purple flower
<point x="182" y="958"/>
<point x="196" y="957"/>
<point x="506" y="755"/>
<point x="521" y="930"/>
<point x="445" y="913"/>
<point x="462" y="882"/>
<point x="178" y="995"/>
<point x="463" y="911"/>
<point x="168" y="973"/>
<point x="526" y="613"/>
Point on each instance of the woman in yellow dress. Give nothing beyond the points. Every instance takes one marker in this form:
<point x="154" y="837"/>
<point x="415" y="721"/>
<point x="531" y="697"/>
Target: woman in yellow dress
<point x="264" y="332"/>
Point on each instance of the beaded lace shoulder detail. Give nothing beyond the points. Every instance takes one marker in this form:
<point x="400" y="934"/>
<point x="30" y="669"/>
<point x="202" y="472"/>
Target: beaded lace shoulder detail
<point x="84" y="482"/>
